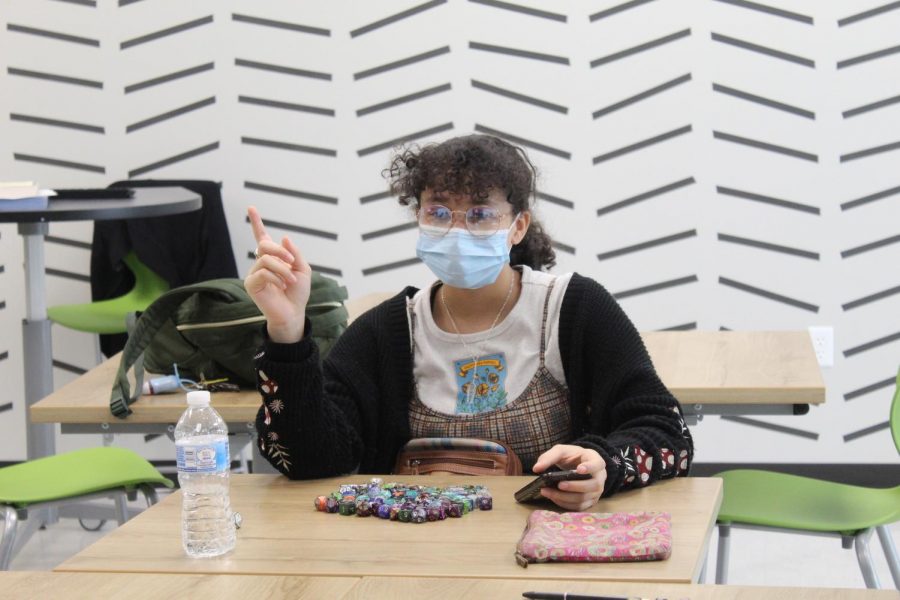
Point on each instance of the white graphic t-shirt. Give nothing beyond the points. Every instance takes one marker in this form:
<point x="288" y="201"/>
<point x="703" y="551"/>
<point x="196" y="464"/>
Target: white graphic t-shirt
<point x="448" y="379"/>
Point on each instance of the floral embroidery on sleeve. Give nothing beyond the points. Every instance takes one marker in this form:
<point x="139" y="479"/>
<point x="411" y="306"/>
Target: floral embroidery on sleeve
<point x="638" y="466"/>
<point x="672" y="465"/>
<point x="683" y="461"/>
<point x="683" y="454"/>
<point x="667" y="463"/>
<point x="644" y="463"/>
<point x="269" y="444"/>
<point x="277" y="452"/>
<point x="267" y="386"/>
<point x="625" y="460"/>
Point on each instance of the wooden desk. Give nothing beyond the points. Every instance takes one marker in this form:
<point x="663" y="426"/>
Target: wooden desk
<point x="402" y="588"/>
<point x="283" y="535"/>
<point x="738" y="372"/>
<point x="89" y="586"/>
<point x="710" y="372"/>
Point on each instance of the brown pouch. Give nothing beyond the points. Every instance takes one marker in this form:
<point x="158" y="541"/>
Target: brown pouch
<point x="463" y="456"/>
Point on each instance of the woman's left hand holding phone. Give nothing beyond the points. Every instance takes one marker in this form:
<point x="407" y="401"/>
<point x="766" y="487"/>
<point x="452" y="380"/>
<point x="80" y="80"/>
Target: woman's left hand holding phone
<point x="279" y="283"/>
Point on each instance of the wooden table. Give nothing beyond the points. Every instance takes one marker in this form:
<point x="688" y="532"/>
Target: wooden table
<point x="87" y="586"/>
<point x="77" y="586"/>
<point x="402" y="588"/>
<point x="283" y="535"/>
<point x="738" y="372"/>
<point x="710" y="372"/>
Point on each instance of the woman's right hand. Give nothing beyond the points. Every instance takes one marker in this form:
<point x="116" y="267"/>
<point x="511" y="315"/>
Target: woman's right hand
<point x="279" y="283"/>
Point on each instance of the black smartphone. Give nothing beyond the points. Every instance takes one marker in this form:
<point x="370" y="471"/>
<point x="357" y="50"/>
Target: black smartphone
<point x="532" y="491"/>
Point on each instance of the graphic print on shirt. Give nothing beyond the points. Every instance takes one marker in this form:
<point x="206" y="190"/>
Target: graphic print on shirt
<point x="480" y="387"/>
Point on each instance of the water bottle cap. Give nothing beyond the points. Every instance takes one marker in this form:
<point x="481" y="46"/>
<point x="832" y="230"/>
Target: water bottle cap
<point x="198" y="398"/>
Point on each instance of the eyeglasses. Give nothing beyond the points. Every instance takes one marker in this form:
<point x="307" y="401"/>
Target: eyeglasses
<point x="481" y="221"/>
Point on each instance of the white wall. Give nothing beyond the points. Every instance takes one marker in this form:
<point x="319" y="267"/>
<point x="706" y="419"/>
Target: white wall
<point x="808" y="274"/>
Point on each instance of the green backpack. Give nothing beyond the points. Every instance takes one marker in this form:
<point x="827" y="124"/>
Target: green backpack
<point x="212" y="330"/>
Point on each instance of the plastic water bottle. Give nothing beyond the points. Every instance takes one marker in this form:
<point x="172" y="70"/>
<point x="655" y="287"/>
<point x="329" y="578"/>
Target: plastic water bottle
<point x="201" y="447"/>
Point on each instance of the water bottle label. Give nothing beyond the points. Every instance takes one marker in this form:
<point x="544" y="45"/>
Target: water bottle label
<point x="202" y="458"/>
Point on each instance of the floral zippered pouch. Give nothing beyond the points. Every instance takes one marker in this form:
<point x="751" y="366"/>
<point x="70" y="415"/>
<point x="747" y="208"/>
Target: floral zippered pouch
<point x="595" y="537"/>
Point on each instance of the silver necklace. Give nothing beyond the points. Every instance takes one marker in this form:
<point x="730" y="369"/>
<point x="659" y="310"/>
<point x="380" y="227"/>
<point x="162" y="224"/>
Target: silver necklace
<point x="470" y="395"/>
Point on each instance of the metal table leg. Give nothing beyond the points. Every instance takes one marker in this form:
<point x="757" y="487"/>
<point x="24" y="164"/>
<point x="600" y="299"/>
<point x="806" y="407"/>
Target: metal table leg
<point x="36" y="342"/>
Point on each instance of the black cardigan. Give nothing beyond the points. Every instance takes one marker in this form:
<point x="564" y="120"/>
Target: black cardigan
<point x="353" y="411"/>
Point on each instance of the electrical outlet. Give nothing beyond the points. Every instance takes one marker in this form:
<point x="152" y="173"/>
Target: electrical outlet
<point x="823" y="344"/>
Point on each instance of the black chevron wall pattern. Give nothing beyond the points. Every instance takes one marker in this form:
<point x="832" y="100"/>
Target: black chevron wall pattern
<point x="716" y="164"/>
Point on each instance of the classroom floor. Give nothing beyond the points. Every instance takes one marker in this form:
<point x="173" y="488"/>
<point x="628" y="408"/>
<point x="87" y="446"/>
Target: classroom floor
<point x="757" y="558"/>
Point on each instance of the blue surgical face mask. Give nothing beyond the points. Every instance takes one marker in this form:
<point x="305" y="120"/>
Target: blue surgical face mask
<point x="463" y="260"/>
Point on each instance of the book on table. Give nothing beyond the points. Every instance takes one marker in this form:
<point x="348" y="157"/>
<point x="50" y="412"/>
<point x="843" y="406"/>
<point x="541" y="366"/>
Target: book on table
<point x="23" y="195"/>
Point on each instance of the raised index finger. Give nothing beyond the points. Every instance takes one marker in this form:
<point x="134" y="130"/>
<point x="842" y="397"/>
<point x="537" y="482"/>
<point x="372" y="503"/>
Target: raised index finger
<point x="259" y="230"/>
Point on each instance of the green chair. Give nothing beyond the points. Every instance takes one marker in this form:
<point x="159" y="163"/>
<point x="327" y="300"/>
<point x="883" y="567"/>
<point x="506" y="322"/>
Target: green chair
<point x="75" y="476"/>
<point x="108" y="316"/>
<point x="774" y="501"/>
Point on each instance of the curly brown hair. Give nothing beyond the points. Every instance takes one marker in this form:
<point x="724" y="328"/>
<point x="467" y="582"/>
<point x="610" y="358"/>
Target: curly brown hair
<point x="473" y="165"/>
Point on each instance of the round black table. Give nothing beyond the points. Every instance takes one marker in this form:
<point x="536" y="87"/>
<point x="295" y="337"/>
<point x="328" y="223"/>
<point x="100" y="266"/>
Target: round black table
<point x="33" y="227"/>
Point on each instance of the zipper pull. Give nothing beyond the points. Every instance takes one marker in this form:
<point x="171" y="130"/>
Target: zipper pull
<point x="521" y="560"/>
<point x="414" y="463"/>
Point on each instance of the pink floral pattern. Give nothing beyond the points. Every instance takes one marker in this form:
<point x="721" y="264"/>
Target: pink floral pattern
<point x="596" y="537"/>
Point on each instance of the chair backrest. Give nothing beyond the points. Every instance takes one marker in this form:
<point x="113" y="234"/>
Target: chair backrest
<point x="182" y="249"/>
<point x="147" y="284"/>
<point x="895" y="414"/>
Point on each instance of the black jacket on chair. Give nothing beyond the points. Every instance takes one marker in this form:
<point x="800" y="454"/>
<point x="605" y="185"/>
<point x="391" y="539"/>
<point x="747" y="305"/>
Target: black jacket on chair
<point x="181" y="249"/>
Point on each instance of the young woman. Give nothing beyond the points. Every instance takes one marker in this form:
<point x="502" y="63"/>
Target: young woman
<point x="496" y="348"/>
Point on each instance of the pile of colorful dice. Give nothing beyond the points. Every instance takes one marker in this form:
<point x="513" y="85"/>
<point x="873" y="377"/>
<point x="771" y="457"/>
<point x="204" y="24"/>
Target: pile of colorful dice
<point x="405" y="503"/>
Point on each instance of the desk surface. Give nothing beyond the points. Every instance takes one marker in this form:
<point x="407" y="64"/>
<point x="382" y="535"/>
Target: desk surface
<point x="37" y="584"/>
<point x="40" y="584"/>
<point x="402" y="588"/>
<point x="282" y="534"/>
<point x="699" y="367"/>
<point x="147" y="202"/>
